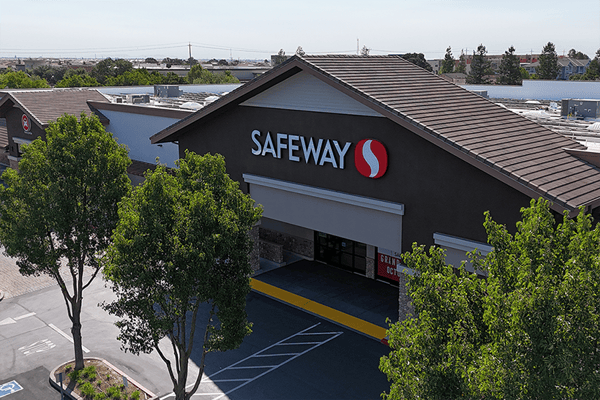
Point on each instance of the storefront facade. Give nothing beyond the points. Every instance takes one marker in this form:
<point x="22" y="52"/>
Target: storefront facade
<point x="345" y="179"/>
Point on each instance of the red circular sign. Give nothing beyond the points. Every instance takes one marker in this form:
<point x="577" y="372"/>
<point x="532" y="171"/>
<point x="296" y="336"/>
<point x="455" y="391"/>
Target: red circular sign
<point x="370" y="158"/>
<point x="25" y="123"/>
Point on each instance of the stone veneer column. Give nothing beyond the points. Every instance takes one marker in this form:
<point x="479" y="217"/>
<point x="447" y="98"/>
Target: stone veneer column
<point x="255" y="254"/>
<point x="370" y="262"/>
<point x="405" y="307"/>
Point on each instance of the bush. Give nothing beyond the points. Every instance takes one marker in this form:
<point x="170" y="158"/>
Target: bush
<point x="89" y="373"/>
<point x="87" y="390"/>
<point x="99" y="396"/>
<point x="135" y="395"/>
<point x="113" y="392"/>
<point x="74" y="375"/>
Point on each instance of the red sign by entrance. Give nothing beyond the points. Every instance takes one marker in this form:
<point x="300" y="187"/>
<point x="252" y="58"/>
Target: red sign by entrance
<point x="25" y="123"/>
<point x="387" y="264"/>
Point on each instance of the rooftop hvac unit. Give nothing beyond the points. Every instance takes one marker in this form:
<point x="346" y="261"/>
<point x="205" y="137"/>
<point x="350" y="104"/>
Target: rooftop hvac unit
<point x="167" y="91"/>
<point x="138" y="98"/>
<point x="580" y="108"/>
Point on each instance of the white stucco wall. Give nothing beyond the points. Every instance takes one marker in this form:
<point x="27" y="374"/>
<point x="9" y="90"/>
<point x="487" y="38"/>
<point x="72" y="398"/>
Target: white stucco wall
<point x="134" y="130"/>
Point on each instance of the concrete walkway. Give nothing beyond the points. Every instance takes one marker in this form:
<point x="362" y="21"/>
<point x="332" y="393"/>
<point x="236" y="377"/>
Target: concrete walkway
<point x="340" y="296"/>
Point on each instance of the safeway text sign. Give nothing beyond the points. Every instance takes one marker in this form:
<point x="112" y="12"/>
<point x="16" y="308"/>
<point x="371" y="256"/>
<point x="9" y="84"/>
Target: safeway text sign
<point x="370" y="157"/>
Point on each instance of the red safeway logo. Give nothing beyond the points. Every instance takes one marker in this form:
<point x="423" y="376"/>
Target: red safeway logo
<point x="25" y="122"/>
<point x="370" y="158"/>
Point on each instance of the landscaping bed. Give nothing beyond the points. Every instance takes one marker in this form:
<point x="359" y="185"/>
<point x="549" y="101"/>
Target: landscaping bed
<point x="98" y="380"/>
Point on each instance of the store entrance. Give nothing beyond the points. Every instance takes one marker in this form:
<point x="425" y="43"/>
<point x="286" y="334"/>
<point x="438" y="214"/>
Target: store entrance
<point x="341" y="252"/>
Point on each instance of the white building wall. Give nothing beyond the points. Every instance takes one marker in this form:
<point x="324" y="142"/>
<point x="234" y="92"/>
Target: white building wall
<point x="134" y="130"/>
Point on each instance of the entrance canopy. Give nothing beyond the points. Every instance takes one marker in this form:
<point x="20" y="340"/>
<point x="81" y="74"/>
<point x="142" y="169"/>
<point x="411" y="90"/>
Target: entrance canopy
<point x="363" y="219"/>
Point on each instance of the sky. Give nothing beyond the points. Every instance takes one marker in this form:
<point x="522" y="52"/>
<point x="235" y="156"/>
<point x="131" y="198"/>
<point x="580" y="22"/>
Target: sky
<point x="256" y="29"/>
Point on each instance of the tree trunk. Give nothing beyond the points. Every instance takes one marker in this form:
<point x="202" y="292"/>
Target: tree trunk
<point x="76" y="333"/>
<point x="181" y="377"/>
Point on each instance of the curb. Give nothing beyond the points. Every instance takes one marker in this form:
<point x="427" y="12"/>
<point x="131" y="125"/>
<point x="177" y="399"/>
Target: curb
<point x="338" y="317"/>
<point x="68" y="393"/>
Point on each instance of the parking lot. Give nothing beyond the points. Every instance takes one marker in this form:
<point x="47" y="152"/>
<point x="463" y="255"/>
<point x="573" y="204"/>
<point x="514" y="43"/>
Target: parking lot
<point x="291" y="354"/>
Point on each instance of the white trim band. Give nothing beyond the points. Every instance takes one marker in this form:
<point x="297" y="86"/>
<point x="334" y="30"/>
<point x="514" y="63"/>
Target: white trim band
<point x="460" y="244"/>
<point x="326" y="194"/>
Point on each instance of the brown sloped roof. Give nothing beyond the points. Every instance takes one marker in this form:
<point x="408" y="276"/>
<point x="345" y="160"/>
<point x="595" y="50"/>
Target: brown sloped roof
<point x="3" y="134"/>
<point x="513" y="149"/>
<point x="47" y="105"/>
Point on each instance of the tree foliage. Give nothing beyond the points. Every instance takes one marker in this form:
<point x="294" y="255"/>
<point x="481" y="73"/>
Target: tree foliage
<point x="418" y="59"/>
<point x="77" y="78"/>
<point x="50" y="73"/>
<point x="528" y="331"/>
<point x="462" y="63"/>
<point x="480" y="67"/>
<point x="548" y="68"/>
<point x="510" y="69"/>
<point x="61" y="206"/>
<point x="448" y="63"/>
<point x="199" y="75"/>
<point x="20" y="80"/>
<point x="577" y="55"/>
<point x="108" y="68"/>
<point x="182" y="245"/>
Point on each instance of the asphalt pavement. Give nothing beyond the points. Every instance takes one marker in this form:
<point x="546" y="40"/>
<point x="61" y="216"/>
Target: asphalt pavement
<point x="291" y="354"/>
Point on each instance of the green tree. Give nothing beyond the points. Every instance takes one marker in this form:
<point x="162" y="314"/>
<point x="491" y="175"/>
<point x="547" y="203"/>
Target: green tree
<point x="418" y="59"/>
<point x="199" y="75"/>
<point x="524" y="74"/>
<point x="181" y="248"/>
<point x="448" y="63"/>
<point x="462" y="64"/>
<point x="20" y="80"/>
<point x="510" y="69"/>
<point x="77" y="78"/>
<point x="61" y="207"/>
<point x="51" y="74"/>
<point x="108" y="68"/>
<point x="480" y="67"/>
<point x="528" y="331"/>
<point x="136" y="77"/>
<point x="548" y="68"/>
<point x="577" y="55"/>
<point x="592" y="72"/>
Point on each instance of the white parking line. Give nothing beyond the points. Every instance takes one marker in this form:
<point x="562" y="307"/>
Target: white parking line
<point x="24" y="316"/>
<point x="244" y="381"/>
<point x="69" y="338"/>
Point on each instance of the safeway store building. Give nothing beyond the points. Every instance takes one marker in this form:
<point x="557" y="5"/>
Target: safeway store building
<point x="355" y="158"/>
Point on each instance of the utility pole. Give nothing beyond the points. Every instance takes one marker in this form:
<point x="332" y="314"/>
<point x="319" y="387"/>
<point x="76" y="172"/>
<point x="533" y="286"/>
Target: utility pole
<point x="357" y="47"/>
<point x="190" y="47"/>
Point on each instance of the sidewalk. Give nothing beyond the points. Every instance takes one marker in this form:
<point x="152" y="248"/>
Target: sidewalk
<point x="342" y="297"/>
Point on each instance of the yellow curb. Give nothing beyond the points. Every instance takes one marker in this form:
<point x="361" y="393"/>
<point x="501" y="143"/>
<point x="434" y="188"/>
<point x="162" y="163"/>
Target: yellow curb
<point x="319" y="309"/>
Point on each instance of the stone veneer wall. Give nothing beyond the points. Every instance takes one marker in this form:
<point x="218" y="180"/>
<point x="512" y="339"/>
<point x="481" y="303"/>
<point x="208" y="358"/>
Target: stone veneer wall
<point x="405" y="306"/>
<point x="271" y="251"/>
<point x="301" y="246"/>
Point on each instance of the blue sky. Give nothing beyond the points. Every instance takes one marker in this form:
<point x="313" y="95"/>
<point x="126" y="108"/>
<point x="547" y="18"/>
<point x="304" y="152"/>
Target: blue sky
<point x="256" y="29"/>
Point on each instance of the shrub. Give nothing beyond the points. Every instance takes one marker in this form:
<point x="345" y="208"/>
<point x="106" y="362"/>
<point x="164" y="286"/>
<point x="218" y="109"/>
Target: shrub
<point x="135" y="395"/>
<point x="87" y="390"/>
<point x="113" y="392"/>
<point x="99" y="396"/>
<point x="74" y="375"/>
<point x="89" y="372"/>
